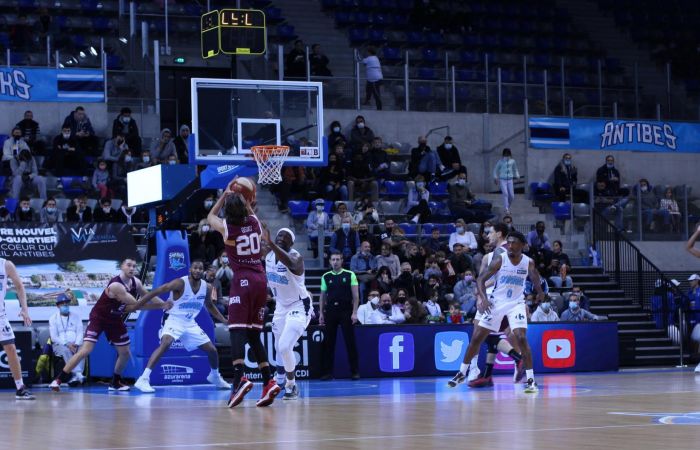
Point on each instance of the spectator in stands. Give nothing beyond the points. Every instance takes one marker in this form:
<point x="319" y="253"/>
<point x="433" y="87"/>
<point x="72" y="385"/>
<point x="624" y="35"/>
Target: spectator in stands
<point x="434" y="242"/>
<point x="417" y="209"/>
<point x="360" y="134"/>
<point x="432" y="306"/>
<point x="388" y="259"/>
<point x="101" y="179"/>
<point x="544" y="313"/>
<point x="539" y="247"/>
<point x="460" y="260"/>
<point x="317" y="219"/>
<point x="565" y="178"/>
<point x="609" y="203"/>
<point x="608" y="173"/>
<point x="668" y="203"/>
<point x="364" y="265"/>
<point x="182" y="144"/>
<point x="66" y="331"/>
<point x="295" y="61"/>
<point x="504" y="175"/>
<point x="146" y="160"/>
<point x="25" y="173"/>
<point x="463" y="236"/>
<point x="383" y="281"/>
<point x="450" y="163"/>
<point x="508" y="221"/>
<point x="341" y="213"/>
<point x="125" y="125"/>
<point x="365" y="212"/>
<point x="31" y="135"/>
<point x="217" y="295"/>
<point x="465" y="293"/>
<point x="585" y="302"/>
<point x="205" y="243"/>
<point x="67" y="157"/>
<point x="650" y="206"/>
<point x="365" y="310"/>
<point x="422" y="159"/>
<point x="373" y="75"/>
<point x="433" y="284"/>
<point x="385" y="234"/>
<point x="24" y="212"/>
<point x="81" y="129"/>
<point x="336" y="136"/>
<point x="163" y="147"/>
<point x="414" y="312"/>
<point x="172" y="160"/>
<point x="462" y="200"/>
<point x="559" y="267"/>
<point x="361" y="179"/>
<point x="401" y="296"/>
<point x="345" y="240"/>
<point x="454" y="314"/>
<point x="13" y="145"/>
<point x="319" y="62"/>
<point x="365" y="235"/>
<point x="379" y="160"/>
<point x="124" y="165"/>
<point x="694" y="307"/>
<point x="104" y="211"/>
<point x="293" y="182"/>
<point x="575" y="313"/>
<point x="387" y="313"/>
<point x="412" y="255"/>
<point x="409" y="280"/>
<point x="224" y="273"/>
<point x="114" y="148"/>
<point x="49" y="212"/>
<point x="79" y="211"/>
<point x="333" y="179"/>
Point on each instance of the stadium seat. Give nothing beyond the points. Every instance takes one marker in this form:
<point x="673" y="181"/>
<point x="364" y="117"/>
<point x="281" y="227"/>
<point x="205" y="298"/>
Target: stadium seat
<point x="540" y="192"/>
<point x="390" y="208"/>
<point x="36" y="203"/>
<point x="298" y="209"/>
<point x="72" y="186"/>
<point x="116" y="203"/>
<point x="11" y="204"/>
<point x="411" y="229"/>
<point x="62" y="204"/>
<point x="446" y="228"/>
<point x="561" y="210"/>
<point x="357" y="35"/>
<point x="392" y="54"/>
<point x="438" y="190"/>
<point x="398" y="168"/>
<point x="396" y="189"/>
<point x="342" y="18"/>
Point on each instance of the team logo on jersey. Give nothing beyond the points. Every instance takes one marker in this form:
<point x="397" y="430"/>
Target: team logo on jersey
<point x="244" y="283"/>
<point x="234" y="300"/>
<point x="176" y="260"/>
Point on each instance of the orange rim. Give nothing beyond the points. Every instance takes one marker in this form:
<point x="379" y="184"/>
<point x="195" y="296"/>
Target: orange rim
<point x="264" y="152"/>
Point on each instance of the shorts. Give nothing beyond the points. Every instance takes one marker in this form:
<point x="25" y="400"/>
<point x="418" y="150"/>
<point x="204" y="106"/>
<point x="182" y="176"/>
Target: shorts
<point x="7" y="336"/>
<point x="187" y="331"/>
<point x="114" y="329"/>
<point x="514" y="312"/>
<point x="247" y="299"/>
<point x="296" y="318"/>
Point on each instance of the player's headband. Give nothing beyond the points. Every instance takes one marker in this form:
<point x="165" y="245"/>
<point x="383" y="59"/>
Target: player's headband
<point x="287" y="230"/>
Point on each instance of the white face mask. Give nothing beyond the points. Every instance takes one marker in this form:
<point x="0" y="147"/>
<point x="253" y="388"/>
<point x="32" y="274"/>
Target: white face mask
<point x="146" y="159"/>
<point x="448" y="146"/>
<point x="172" y="162"/>
<point x="224" y="260"/>
<point x="459" y="230"/>
<point x="461" y="182"/>
<point x="126" y="119"/>
<point x="205" y="228"/>
<point x="106" y="209"/>
<point x="360" y="125"/>
<point x="66" y="135"/>
<point x="319" y="208"/>
<point x="374" y="300"/>
<point x="336" y="129"/>
<point x="420" y="185"/>
<point x="127" y="159"/>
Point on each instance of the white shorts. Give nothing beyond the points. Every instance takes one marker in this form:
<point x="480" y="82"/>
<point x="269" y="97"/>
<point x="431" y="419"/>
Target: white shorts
<point x="7" y="336"/>
<point x="187" y="331"/>
<point x="515" y="312"/>
<point x="295" y="317"/>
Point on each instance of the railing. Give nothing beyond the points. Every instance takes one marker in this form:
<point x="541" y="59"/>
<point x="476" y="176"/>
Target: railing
<point x="642" y="282"/>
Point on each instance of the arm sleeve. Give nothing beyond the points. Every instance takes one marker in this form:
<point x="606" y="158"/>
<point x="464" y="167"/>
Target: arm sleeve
<point x="353" y="279"/>
<point x="496" y="169"/>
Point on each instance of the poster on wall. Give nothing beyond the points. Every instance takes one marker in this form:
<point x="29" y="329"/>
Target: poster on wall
<point x="76" y="258"/>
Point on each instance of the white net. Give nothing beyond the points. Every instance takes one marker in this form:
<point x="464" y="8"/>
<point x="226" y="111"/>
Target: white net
<point x="270" y="159"/>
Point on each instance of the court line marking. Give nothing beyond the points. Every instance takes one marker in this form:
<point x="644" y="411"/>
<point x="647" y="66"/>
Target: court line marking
<point x="376" y="437"/>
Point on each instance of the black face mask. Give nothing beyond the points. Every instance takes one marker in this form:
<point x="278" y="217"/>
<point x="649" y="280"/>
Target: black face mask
<point x="386" y="307"/>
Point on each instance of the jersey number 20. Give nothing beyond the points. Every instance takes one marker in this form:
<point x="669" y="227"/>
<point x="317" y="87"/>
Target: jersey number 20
<point x="248" y="244"/>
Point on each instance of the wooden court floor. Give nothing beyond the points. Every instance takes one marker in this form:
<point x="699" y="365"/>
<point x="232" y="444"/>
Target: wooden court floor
<point x="657" y="409"/>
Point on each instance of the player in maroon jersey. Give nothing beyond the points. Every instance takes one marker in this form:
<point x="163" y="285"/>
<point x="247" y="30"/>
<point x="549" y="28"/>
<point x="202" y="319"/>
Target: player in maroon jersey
<point x="246" y="308"/>
<point x="107" y="316"/>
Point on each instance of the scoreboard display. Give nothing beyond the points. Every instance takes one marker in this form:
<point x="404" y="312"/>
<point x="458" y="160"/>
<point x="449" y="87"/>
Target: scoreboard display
<point x="233" y="32"/>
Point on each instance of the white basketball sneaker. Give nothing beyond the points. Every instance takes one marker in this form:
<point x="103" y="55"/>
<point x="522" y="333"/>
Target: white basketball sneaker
<point x="474" y="373"/>
<point x="144" y="385"/>
<point x="697" y="369"/>
<point x="216" y="379"/>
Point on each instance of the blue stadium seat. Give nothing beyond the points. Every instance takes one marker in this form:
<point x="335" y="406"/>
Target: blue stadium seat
<point x="540" y="192"/>
<point x="361" y="18"/>
<point x="380" y="19"/>
<point x="415" y="38"/>
<point x="273" y="14"/>
<point x="11" y="204"/>
<point x="357" y="35"/>
<point x="435" y="38"/>
<point x="561" y="210"/>
<point x="18" y="58"/>
<point x="89" y="6"/>
<point x="285" y="31"/>
<point x="298" y="209"/>
<point x="391" y="54"/>
<point x="472" y="40"/>
<point x="400" y="20"/>
<point x="446" y="228"/>
<point x="469" y="57"/>
<point x="423" y="91"/>
<point x="490" y="40"/>
<point x="394" y="189"/>
<point x="406" y="5"/>
<point x="427" y="228"/>
<point x="376" y="36"/>
<point x="342" y="18"/>
<point x="72" y="186"/>
<point x="411" y="229"/>
<point x="26" y="4"/>
<point x="386" y="4"/>
<point x="4" y="40"/>
<point x="3" y="189"/>
<point x="100" y="23"/>
<point x="438" y="189"/>
<point x="430" y="55"/>
<point x="426" y="73"/>
<point x="114" y="62"/>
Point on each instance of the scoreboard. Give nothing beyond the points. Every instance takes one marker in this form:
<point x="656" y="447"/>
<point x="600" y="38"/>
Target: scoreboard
<point x="233" y="32"/>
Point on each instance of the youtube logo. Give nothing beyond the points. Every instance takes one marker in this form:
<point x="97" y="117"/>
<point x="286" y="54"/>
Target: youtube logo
<point x="558" y="349"/>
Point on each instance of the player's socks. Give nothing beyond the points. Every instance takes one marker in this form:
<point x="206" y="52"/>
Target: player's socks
<point x="63" y="377"/>
<point x="146" y="373"/>
<point x="530" y="374"/>
<point x="464" y="368"/>
<point x="19" y="384"/>
<point x="488" y="371"/>
<point x="266" y="374"/>
<point x="515" y="355"/>
<point x="237" y="375"/>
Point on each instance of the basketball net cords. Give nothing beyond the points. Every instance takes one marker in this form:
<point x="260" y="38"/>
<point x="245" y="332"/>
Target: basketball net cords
<point x="270" y="161"/>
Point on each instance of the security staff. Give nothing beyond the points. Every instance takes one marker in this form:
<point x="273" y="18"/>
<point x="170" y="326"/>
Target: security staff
<point x="340" y="299"/>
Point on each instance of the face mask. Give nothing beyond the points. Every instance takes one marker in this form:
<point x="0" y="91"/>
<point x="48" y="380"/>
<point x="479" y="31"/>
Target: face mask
<point x="107" y="209"/>
<point x="127" y="159"/>
<point x="224" y="260"/>
<point x="468" y="278"/>
<point x="319" y="208"/>
<point x="545" y="307"/>
<point x="65" y="310"/>
<point x="567" y="162"/>
<point x="488" y="229"/>
<point x="386" y="307"/>
<point x="420" y="185"/>
<point x="208" y="204"/>
<point x="172" y="162"/>
<point x="146" y="159"/>
<point x="66" y="135"/>
<point x="573" y="306"/>
<point x="51" y="210"/>
<point x="448" y="146"/>
<point x="609" y="166"/>
<point x="336" y="129"/>
<point x="126" y="119"/>
<point x="460" y="230"/>
<point x="461" y="182"/>
<point x="17" y="138"/>
<point x="346" y="227"/>
<point x="644" y="188"/>
<point x="26" y="209"/>
<point x="205" y="228"/>
<point x="374" y="300"/>
<point x="360" y="125"/>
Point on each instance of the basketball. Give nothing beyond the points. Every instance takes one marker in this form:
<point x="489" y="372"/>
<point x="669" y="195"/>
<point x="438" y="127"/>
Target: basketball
<point x="244" y="186"/>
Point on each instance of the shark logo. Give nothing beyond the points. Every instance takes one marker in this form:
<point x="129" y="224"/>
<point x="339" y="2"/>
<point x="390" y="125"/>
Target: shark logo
<point x="176" y="260"/>
<point x="668" y="418"/>
<point x="451" y="352"/>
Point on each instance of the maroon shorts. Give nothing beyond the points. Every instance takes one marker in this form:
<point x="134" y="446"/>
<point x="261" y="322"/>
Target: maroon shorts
<point x="247" y="299"/>
<point x="114" y="329"/>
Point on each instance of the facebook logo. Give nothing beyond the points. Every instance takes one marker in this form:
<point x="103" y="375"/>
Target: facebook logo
<point x="396" y="352"/>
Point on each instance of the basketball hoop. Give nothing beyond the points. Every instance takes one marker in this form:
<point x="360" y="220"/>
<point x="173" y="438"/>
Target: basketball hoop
<point x="270" y="159"/>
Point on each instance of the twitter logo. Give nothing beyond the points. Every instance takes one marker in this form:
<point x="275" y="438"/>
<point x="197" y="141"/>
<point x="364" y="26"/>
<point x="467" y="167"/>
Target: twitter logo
<point x="450" y="347"/>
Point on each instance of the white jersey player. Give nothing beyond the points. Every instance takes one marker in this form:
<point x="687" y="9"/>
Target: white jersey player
<point x="285" y="276"/>
<point x="506" y="300"/>
<point x="7" y="336"/>
<point x="187" y="297"/>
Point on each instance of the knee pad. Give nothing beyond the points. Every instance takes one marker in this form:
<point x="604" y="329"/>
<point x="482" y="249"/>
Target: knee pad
<point x="257" y="346"/>
<point x="238" y="340"/>
<point x="492" y="341"/>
